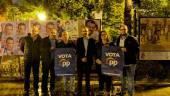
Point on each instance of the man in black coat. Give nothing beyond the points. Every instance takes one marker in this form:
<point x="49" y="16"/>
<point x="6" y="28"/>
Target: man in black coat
<point x="47" y="47"/>
<point x="85" y="54"/>
<point x="130" y="47"/>
<point x="30" y="46"/>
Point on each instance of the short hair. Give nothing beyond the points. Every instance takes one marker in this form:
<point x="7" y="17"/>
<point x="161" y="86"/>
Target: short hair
<point x="91" y="21"/>
<point x="9" y="38"/>
<point x="125" y="26"/>
<point x="20" y="24"/>
<point x="50" y="23"/>
<point x="85" y="27"/>
<point x="36" y="23"/>
<point x="8" y="24"/>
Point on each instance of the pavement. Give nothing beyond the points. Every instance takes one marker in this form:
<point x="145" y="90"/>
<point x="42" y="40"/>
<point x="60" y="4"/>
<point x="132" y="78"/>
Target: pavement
<point x="142" y="88"/>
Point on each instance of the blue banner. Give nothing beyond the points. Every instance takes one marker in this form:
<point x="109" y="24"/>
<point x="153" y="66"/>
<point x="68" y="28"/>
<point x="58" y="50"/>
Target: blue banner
<point x="112" y="60"/>
<point x="65" y="61"/>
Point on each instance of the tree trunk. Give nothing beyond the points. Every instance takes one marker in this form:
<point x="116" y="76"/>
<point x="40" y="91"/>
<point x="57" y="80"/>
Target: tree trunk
<point x="127" y="15"/>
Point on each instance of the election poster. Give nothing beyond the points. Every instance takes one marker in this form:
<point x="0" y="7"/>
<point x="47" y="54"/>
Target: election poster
<point x="154" y="38"/>
<point x="112" y="60"/>
<point x="94" y="26"/>
<point x="70" y="26"/>
<point x="65" y="61"/>
<point x="9" y="38"/>
<point x="22" y="29"/>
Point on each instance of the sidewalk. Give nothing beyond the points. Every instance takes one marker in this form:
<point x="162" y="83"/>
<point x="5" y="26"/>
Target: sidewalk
<point x="142" y="88"/>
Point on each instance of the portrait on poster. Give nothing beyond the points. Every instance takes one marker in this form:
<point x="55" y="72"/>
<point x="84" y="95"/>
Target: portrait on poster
<point x="8" y="38"/>
<point x="94" y="26"/>
<point x="22" y="29"/>
<point x="154" y="38"/>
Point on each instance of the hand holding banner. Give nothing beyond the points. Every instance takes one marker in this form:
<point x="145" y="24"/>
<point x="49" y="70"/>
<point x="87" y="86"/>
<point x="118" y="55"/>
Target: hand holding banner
<point x="65" y="61"/>
<point x="112" y="60"/>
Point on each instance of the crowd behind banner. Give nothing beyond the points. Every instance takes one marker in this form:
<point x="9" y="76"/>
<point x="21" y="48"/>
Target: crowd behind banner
<point x="11" y="34"/>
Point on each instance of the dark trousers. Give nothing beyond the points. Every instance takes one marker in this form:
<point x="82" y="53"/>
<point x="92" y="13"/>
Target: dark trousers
<point x="48" y="67"/>
<point x="84" y="68"/>
<point x="28" y="64"/>
<point x="103" y="79"/>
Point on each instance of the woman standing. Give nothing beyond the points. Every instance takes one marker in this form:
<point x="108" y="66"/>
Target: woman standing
<point x="103" y="41"/>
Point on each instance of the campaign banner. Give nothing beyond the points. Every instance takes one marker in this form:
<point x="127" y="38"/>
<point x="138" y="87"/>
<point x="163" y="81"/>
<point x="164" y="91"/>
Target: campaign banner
<point x="112" y="60"/>
<point x="65" y="61"/>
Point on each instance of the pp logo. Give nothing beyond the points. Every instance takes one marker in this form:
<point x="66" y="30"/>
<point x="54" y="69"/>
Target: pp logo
<point x="64" y="63"/>
<point x="111" y="62"/>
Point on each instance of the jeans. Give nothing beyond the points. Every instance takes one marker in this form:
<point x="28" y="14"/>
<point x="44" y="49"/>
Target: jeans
<point x="128" y="78"/>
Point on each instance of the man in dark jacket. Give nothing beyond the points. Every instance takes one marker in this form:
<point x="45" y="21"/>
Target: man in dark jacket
<point x="30" y="46"/>
<point x="85" y="54"/>
<point x="130" y="47"/>
<point x="47" y="56"/>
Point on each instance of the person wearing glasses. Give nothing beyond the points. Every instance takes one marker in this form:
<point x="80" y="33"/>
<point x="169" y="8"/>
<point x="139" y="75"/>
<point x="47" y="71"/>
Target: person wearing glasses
<point x="130" y="47"/>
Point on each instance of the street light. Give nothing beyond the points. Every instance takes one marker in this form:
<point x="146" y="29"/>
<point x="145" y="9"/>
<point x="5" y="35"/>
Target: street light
<point x="41" y="16"/>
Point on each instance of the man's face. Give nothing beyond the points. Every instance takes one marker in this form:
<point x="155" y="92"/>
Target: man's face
<point x="36" y="29"/>
<point x="123" y="30"/>
<point x="92" y="27"/>
<point x="65" y="36"/>
<point x="85" y="32"/>
<point x="21" y="29"/>
<point x="53" y="32"/>
<point x="49" y="29"/>
<point x="9" y="30"/>
<point x="10" y="45"/>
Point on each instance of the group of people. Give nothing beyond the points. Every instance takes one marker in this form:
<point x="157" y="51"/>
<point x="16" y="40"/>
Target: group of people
<point x="88" y="51"/>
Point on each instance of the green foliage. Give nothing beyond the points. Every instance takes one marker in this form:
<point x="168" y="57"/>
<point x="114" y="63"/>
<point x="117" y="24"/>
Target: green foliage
<point x="113" y="15"/>
<point x="155" y="8"/>
<point x="67" y="9"/>
<point x="113" y="11"/>
<point x="13" y="13"/>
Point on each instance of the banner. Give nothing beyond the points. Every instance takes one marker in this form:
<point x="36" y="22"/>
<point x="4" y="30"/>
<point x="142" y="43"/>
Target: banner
<point x="65" y="61"/>
<point x="112" y="60"/>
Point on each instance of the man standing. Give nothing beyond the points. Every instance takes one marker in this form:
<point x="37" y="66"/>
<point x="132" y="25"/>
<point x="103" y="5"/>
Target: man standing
<point x="85" y="54"/>
<point x="130" y="47"/>
<point x="48" y="45"/>
<point x="30" y="45"/>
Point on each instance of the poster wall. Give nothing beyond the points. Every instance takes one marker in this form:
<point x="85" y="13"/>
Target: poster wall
<point x="11" y="33"/>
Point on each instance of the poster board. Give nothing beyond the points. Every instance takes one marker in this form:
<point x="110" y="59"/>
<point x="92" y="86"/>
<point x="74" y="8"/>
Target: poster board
<point x="154" y="38"/>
